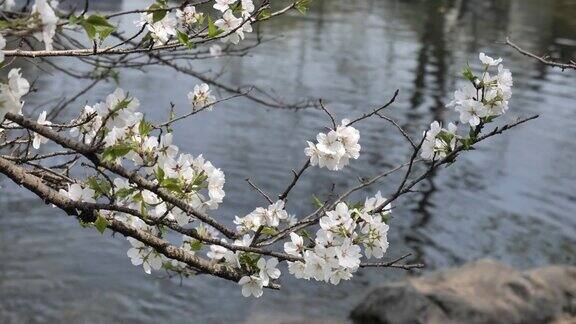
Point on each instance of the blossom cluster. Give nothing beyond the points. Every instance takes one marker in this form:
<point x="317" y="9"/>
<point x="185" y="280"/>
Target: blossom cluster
<point x="234" y="27"/>
<point x="334" y="149"/>
<point x="478" y="102"/>
<point x="126" y="137"/>
<point x="44" y="22"/>
<point x="169" y="26"/>
<point x="12" y="92"/>
<point x="346" y="234"/>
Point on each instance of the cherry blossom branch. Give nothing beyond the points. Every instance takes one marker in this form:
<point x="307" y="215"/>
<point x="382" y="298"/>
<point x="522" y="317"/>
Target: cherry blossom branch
<point x="89" y="153"/>
<point x="375" y="111"/>
<point x="448" y="159"/>
<point x="112" y="50"/>
<point x="545" y="59"/>
<point x="393" y="264"/>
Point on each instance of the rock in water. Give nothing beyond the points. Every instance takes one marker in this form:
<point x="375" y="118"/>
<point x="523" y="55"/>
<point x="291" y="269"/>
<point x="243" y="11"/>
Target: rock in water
<point x="484" y="291"/>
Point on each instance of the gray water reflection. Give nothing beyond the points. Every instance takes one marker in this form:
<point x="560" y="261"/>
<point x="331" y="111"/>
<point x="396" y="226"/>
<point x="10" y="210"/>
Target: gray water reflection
<point x="513" y="199"/>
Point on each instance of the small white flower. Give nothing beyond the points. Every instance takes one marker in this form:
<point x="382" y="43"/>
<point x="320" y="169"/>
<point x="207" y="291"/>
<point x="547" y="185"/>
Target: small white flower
<point x="233" y="26"/>
<point x="86" y="130"/>
<point x="201" y="96"/>
<point x="334" y="149"/>
<point x="141" y="254"/>
<point x="48" y="19"/>
<point x="39" y="139"/>
<point x="436" y="146"/>
<point x="251" y="286"/>
<point x="296" y="246"/>
<point x="77" y="193"/>
<point x="268" y="269"/>
<point x="11" y="93"/>
<point x="471" y="112"/>
<point x="217" y="252"/>
<point x="297" y="269"/>
<point x="313" y="153"/>
<point x="247" y="8"/>
<point x="164" y="29"/>
<point x="316" y="267"/>
<point x="188" y="16"/>
<point x="340" y="274"/>
<point x="223" y="5"/>
<point x="166" y="150"/>
<point x="250" y="222"/>
<point x="487" y="60"/>
<point x="348" y="254"/>
<point x="372" y="203"/>
<point x="275" y="213"/>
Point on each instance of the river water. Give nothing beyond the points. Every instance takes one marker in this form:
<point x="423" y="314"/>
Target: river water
<point x="513" y="199"/>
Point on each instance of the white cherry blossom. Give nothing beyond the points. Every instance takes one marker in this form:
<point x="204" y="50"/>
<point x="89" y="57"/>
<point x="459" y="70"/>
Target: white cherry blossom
<point x="11" y="93"/>
<point x="77" y="193"/>
<point x="268" y="270"/>
<point x="188" y="16"/>
<point x="201" y="97"/>
<point x="48" y="19"/>
<point x="141" y="254"/>
<point x="39" y="139"/>
<point x="251" y="286"/>
<point x="489" y="61"/>
<point x="296" y="246"/>
<point x="223" y="5"/>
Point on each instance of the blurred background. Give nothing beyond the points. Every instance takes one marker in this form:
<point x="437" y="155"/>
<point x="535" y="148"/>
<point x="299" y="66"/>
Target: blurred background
<point x="513" y="199"/>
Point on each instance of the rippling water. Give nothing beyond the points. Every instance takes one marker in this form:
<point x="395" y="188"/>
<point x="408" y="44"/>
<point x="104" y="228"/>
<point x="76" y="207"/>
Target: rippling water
<point x="513" y="199"/>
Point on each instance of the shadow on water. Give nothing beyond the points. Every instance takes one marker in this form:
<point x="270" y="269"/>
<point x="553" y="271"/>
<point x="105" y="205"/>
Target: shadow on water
<point x="502" y="201"/>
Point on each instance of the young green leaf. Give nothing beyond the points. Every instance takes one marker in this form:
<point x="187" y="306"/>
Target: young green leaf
<point x="114" y="152"/>
<point x="183" y="39"/>
<point x="213" y="31"/>
<point x="100" y="223"/>
<point x="96" y="25"/>
<point x="302" y="6"/>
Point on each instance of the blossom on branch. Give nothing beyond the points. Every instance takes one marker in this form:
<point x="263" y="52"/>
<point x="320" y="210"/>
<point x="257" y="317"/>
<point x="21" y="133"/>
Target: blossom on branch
<point x="334" y="149"/>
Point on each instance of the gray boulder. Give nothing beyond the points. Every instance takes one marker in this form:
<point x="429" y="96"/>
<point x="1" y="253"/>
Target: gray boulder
<point x="484" y="291"/>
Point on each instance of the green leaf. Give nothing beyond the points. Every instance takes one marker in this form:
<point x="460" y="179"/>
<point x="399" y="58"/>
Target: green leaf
<point x="158" y="12"/>
<point x="302" y="6"/>
<point x="73" y="20"/>
<point x="114" y="152"/>
<point x="101" y="224"/>
<point x="468" y="74"/>
<point x="213" y="31"/>
<point x="236" y="8"/>
<point x="269" y="231"/>
<point x="317" y="202"/>
<point x="98" y="20"/>
<point x="90" y="30"/>
<point x="172" y="185"/>
<point x="4" y="24"/>
<point x="183" y="39"/>
<point x="196" y="245"/>
<point x="145" y="128"/>
<point x="264" y="14"/>
<point x="124" y="192"/>
<point x="101" y="187"/>
<point x="95" y="25"/>
<point x="160" y="174"/>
